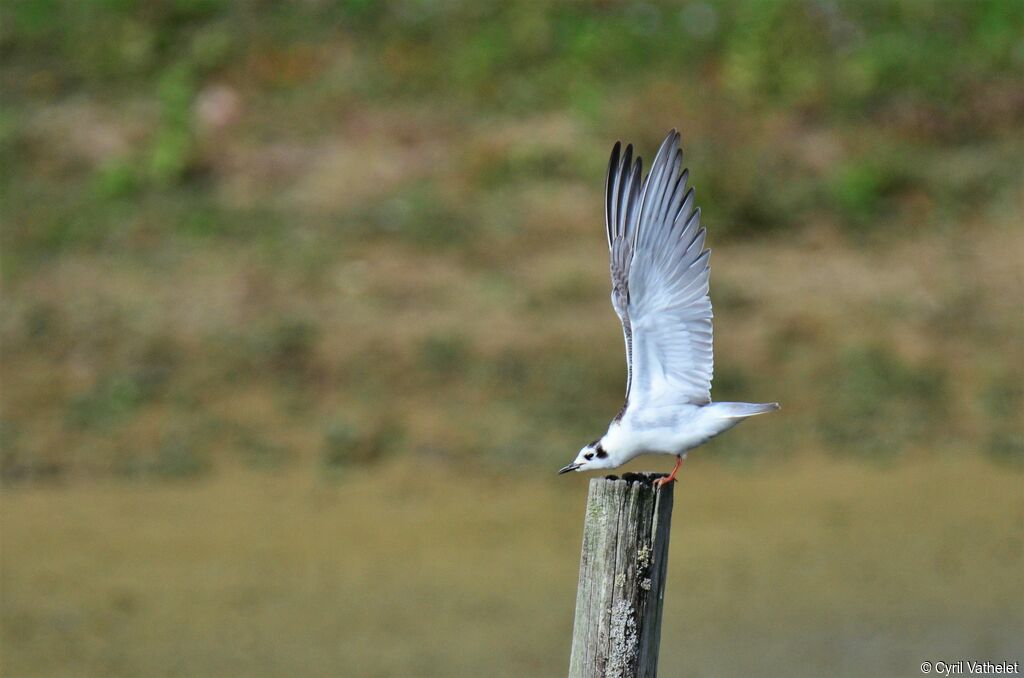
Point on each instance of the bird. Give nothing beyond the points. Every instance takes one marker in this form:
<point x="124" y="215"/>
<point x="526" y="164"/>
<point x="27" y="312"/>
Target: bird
<point x="660" y="292"/>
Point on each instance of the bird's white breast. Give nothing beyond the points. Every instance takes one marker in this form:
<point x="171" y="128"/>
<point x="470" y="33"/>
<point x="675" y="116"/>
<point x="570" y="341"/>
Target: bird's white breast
<point x="662" y="431"/>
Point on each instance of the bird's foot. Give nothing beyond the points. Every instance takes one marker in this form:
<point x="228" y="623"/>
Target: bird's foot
<point x="671" y="477"/>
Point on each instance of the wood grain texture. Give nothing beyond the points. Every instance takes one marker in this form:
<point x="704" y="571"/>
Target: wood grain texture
<point x="621" y="589"/>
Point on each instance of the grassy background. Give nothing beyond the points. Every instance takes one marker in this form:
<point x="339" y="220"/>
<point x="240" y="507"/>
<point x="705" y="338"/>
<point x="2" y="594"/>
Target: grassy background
<point x="257" y="258"/>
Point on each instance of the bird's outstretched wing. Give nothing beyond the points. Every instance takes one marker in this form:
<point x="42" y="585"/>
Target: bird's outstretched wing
<point x="660" y="272"/>
<point x="622" y="209"/>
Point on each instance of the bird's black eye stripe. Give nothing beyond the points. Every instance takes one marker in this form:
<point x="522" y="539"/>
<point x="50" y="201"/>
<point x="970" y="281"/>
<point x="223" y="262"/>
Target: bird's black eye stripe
<point x="588" y="455"/>
<point x="601" y="453"/>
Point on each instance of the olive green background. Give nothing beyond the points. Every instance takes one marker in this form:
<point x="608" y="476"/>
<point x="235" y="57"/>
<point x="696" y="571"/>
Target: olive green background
<point x="304" y="303"/>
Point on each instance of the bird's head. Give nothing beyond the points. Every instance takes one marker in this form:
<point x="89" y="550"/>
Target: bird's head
<point x="592" y="457"/>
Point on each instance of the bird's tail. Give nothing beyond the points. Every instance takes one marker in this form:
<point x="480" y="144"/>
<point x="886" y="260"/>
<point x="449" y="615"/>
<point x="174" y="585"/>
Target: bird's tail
<point x="742" y="410"/>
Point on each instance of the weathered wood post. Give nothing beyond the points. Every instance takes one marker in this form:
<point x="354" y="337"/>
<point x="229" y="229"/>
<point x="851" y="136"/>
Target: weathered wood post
<point x="622" y="578"/>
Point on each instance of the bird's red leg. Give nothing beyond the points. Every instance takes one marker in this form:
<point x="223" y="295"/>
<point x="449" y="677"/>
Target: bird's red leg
<point x="671" y="476"/>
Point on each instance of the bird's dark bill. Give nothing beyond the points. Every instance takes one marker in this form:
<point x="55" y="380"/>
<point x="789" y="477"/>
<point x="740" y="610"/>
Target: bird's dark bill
<point x="570" y="467"/>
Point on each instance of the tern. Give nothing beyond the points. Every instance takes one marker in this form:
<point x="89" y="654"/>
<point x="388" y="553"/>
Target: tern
<point x="660" y="276"/>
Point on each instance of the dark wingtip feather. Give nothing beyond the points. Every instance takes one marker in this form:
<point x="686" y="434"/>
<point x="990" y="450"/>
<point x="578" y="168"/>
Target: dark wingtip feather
<point x="613" y="162"/>
<point x="609" y="183"/>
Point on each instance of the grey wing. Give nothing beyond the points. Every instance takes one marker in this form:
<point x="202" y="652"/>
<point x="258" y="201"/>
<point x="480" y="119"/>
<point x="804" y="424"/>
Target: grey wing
<point x="668" y="304"/>
<point x="622" y="209"/>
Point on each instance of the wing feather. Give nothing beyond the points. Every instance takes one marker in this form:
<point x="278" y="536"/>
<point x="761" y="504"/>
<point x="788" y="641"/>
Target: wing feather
<point x="622" y="207"/>
<point x="660" y="277"/>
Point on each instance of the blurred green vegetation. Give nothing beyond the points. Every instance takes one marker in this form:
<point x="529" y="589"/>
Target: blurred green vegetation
<point x="288" y="286"/>
<point x="247" y="216"/>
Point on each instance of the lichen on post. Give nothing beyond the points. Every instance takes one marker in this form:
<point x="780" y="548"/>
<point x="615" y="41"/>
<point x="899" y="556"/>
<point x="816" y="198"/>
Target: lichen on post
<point x="621" y="589"/>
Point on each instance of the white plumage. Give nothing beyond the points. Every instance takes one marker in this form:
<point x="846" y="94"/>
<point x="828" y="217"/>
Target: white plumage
<point x="660" y="273"/>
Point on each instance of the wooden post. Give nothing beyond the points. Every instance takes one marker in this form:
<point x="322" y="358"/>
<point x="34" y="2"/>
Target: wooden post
<point x="622" y="578"/>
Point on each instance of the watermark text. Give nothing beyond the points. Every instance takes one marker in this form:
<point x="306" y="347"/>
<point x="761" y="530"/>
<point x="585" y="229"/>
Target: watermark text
<point x="968" y="667"/>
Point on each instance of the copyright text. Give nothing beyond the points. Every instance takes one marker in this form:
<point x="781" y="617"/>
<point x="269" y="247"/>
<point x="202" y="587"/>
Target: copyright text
<point x="969" y="667"/>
